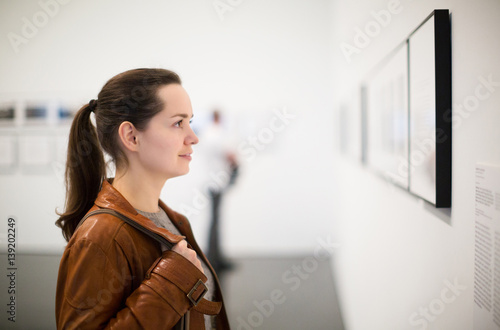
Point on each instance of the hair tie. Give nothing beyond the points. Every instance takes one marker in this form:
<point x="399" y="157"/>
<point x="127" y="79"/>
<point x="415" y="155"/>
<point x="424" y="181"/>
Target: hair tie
<point x="92" y="105"/>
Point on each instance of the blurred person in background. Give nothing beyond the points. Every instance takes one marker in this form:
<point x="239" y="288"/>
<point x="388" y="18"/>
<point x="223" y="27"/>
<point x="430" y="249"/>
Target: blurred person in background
<point x="222" y="170"/>
<point x="119" y="274"/>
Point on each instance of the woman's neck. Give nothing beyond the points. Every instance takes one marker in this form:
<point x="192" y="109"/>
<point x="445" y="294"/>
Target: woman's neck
<point x="142" y="192"/>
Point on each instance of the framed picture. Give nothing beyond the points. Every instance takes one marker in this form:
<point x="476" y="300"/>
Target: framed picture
<point x="7" y="114"/>
<point x="8" y="150"/>
<point x="363" y="114"/>
<point x="386" y="117"/>
<point x="65" y="112"/>
<point x="429" y="99"/>
<point x="349" y="128"/>
<point x="36" y="113"/>
<point x="36" y="151"/>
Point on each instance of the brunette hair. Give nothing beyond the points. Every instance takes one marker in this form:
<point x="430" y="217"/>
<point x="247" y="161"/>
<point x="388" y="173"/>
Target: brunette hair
<point x="129" y="96"/>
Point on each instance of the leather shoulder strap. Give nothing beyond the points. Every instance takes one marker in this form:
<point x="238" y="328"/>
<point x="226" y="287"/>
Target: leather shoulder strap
<point x="130" y="222"/>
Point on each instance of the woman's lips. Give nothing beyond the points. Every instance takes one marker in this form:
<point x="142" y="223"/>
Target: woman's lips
<point x="186" y="156"/>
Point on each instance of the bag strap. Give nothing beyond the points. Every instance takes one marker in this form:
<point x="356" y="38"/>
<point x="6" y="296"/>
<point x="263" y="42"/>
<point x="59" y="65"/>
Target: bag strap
<point x="130" y="222"/>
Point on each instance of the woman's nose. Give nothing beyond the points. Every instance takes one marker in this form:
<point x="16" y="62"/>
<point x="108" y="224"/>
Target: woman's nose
<point x="191" y="138"/>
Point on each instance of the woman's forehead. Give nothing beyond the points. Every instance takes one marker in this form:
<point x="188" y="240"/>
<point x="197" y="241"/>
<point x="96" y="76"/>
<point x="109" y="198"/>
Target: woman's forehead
<point x="176" y="101"/>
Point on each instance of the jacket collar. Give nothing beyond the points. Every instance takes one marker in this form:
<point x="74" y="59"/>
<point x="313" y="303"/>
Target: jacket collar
<point x="110" y="198"/>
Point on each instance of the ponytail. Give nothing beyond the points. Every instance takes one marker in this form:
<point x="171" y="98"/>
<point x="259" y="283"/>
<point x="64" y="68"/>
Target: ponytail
<point x="85" y="171"/>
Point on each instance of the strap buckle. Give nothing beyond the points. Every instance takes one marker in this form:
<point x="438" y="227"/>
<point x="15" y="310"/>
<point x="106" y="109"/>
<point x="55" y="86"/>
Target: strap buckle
<point x="193" y="290"/>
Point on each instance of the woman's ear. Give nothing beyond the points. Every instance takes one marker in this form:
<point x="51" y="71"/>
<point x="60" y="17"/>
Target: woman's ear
<point x="128" y="135"/>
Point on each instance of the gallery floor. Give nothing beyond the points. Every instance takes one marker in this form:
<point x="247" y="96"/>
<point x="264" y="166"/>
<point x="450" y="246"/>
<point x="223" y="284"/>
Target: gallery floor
<point x="282" y="293"/>
<point x="260" y="293"/>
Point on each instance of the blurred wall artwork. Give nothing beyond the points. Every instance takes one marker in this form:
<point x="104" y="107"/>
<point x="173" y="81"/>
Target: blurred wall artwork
<point x="31" y="135"/>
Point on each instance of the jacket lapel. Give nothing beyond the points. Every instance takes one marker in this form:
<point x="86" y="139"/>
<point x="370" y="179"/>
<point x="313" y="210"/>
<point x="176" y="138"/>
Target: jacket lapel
<point x="110" y="198"/>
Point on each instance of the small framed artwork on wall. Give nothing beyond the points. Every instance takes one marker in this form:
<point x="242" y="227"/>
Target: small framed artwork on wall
<point x="386" y="116"/>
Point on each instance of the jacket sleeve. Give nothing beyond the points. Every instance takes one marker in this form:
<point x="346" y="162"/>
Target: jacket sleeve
<point x="95" y="290"/>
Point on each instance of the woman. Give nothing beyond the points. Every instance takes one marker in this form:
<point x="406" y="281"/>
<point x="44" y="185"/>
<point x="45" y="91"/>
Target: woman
<point x="111" y="274"/>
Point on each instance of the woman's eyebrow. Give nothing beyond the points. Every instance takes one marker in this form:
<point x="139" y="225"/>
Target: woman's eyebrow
<point x="183" y="115"/>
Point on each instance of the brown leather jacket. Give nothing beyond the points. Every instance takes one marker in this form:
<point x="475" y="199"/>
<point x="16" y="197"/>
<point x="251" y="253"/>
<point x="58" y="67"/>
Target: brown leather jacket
<point x="113" y="276"/>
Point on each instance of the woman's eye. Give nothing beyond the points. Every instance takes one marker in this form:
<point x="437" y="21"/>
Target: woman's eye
<point x="180" y="123"/>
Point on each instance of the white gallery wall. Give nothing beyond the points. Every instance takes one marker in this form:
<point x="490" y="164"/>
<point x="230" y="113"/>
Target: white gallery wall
<point x="402" y="264"/>
<point x="264" y="64"/>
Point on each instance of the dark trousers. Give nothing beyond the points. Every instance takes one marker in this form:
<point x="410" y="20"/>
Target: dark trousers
<point x="214" y="254"/>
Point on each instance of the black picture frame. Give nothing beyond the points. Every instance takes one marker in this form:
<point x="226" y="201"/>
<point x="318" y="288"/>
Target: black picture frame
<point x="429" y="65"/>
